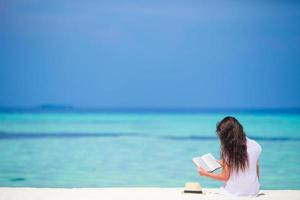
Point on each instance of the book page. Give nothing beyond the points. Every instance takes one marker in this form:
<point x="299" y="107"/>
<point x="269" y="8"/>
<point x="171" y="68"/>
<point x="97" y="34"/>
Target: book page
<point x="199" y="162"/>
<point x="211" y="162"/>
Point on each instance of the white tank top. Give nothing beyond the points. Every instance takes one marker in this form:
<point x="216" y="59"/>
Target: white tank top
<point x="245" y="183"/>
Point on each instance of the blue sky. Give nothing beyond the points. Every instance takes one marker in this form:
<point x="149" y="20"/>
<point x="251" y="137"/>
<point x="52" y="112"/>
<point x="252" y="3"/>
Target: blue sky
<point x="204" y="54"/>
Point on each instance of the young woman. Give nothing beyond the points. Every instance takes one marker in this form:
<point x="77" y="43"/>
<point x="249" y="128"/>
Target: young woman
<point x="239" y="159"/>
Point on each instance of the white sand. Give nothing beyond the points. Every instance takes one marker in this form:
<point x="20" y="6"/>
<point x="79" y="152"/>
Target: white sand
<point x="129" y="193"/>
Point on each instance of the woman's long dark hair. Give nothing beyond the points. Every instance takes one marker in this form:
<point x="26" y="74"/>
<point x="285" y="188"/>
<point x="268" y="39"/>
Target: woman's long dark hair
<point x="233" y="144"/>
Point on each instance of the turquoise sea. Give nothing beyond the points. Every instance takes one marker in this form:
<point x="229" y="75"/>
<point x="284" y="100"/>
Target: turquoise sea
<point x="124" y="149"/>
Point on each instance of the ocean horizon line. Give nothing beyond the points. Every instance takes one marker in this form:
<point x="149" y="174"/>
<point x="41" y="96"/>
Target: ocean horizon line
<point x="74" y="109"/>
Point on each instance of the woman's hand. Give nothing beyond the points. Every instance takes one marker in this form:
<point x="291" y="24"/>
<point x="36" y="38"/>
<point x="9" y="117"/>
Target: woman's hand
<point x="223" y="176"/>
<point x="220" y="162"/>
<point x="201" y="171"/>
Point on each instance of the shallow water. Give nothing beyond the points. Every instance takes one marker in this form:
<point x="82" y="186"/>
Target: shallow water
<point x="135" y="149"/>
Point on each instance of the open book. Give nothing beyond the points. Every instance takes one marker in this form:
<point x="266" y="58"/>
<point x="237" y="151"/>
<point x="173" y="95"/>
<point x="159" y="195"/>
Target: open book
<point x="207" y="162"/>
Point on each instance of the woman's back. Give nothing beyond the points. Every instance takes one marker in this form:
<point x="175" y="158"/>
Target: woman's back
<point x="245" y="183"/>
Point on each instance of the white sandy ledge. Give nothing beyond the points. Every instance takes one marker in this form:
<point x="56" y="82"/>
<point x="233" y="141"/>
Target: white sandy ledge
<point x="130" y="194"/>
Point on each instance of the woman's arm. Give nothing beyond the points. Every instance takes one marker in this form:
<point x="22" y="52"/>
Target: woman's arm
<point x="223" y="176"/>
